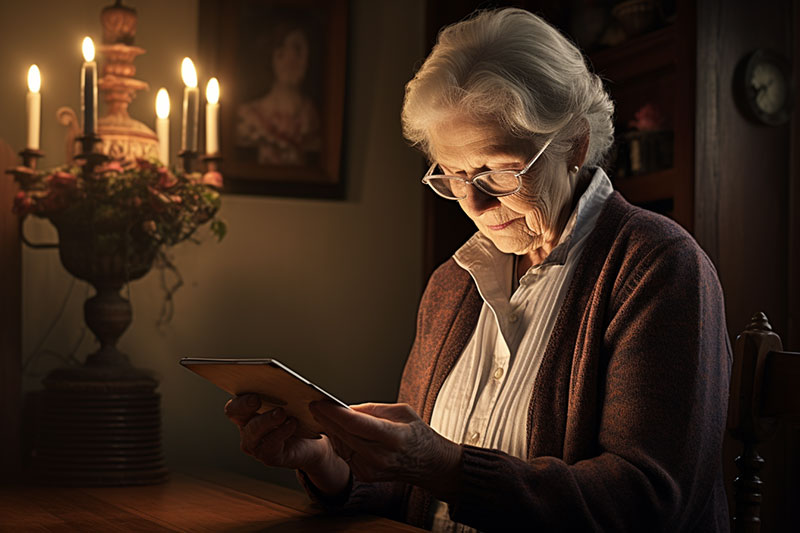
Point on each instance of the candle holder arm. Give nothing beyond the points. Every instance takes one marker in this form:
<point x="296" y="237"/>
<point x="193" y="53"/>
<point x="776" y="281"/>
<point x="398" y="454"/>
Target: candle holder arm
<point x="30" y="244"/>
<point x="21" y="174"/>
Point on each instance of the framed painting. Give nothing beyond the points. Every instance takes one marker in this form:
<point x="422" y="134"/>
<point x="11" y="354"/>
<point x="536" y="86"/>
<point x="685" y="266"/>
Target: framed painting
<point x="282" y="69"/>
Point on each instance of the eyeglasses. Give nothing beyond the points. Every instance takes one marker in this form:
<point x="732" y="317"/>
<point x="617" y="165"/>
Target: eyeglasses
<point x="492" y="182"/>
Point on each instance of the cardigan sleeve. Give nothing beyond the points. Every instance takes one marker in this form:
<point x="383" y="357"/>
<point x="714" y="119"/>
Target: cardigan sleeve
<point x="378" y="498"/>
<point x="662" y="399"/>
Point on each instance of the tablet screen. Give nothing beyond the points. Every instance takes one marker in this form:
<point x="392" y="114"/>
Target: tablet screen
<point x="277" y="384"/>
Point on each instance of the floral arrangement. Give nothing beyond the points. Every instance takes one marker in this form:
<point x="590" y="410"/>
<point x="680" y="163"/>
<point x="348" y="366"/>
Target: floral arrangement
<point x="142" y="201"/>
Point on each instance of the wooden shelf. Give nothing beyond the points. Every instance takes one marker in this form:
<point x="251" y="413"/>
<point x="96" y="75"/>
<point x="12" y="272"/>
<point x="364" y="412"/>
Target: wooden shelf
<point x="657" y="68"/>
<point x="635" y="57"/>
<point x="647" y="188"/>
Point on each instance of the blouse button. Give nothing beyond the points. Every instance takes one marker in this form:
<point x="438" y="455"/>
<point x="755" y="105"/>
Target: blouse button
<point x="513" y="317"/>
<point x="498" y="373"/>
<point x="473" y="439"/>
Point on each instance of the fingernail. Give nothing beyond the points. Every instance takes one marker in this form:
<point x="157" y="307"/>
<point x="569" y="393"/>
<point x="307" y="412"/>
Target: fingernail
<point x="277" y="413"/>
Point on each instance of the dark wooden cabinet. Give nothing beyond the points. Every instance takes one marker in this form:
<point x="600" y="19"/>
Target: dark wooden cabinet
<point x="655" y="70"/>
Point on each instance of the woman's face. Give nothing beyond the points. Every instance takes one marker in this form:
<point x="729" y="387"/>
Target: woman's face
<point x="290" y="59"/>
<point x="519" y="223"/>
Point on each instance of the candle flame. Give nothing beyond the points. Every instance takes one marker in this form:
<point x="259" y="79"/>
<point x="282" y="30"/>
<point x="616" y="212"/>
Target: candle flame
<point x="162" y="103"/>
<point x="34" y="79"/>
<point x="188" y="73"/>
<point x="212" y="91"/>
<point x="88" y="49"/>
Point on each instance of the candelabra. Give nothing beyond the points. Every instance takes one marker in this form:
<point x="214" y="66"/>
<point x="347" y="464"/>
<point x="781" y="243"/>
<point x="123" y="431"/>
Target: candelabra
<point x="100" y="423"/>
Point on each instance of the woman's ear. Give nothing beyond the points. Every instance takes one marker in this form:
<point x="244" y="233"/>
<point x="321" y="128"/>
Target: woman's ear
<point x="580" y="148"/>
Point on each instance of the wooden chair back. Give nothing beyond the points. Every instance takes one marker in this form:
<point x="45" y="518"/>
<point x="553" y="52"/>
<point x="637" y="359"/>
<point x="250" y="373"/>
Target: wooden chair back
<point x="765" y="388"/>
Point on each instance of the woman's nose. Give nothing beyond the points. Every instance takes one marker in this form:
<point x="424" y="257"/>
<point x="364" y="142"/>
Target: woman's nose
<point x="477" y="201"/>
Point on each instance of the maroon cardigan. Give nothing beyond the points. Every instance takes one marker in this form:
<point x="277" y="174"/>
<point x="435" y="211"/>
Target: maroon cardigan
<point x="627" y="411"/>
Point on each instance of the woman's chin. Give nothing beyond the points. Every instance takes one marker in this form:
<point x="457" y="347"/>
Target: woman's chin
<point x="517" y="244"/>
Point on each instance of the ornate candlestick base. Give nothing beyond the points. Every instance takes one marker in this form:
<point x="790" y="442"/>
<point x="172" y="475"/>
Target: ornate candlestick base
<point x="99" y="433"/>
<point x="100" y="423"/>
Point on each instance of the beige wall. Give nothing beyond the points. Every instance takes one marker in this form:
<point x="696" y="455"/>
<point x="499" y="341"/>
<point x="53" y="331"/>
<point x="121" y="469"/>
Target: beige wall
<point x="329" y="287"/>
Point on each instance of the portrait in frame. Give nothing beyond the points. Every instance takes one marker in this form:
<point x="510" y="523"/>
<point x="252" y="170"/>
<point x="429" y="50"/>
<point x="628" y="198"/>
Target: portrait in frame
<point x="282" y="69"/>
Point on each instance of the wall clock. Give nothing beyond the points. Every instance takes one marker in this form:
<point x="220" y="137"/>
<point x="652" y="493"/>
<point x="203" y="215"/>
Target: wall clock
<point x="763" y="87"/>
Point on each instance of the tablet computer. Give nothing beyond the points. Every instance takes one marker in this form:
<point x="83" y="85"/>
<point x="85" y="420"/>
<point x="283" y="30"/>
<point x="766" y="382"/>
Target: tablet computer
<point x="277" y="384"/>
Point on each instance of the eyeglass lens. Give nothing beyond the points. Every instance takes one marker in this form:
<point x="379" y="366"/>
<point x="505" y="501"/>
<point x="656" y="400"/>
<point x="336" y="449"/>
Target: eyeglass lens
<point x="455" y="187"/>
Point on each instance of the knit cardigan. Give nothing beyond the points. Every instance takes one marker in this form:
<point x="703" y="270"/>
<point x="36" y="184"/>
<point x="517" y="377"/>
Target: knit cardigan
<point x="627" y="411"/>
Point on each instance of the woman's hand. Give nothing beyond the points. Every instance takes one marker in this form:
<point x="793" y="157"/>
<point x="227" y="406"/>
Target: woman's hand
<point x="270" y="438"/>
<point x="383" y="442"/>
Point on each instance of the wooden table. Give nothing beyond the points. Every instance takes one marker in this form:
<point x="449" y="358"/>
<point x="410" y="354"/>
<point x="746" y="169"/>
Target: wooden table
<point x="185" y="503"/>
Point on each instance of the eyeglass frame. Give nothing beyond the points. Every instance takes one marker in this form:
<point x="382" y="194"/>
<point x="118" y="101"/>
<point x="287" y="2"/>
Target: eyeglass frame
<point x="471" y="181"/>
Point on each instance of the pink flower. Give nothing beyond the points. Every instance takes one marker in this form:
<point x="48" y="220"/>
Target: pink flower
<point x="214" y="179"/>
<point x="23" y="204"/>
<point x="166" y="179"/>
<point x="175" y="198"/>
<point x="111" y="166"/>
<point x="144" y="164"/>
<point x="64" y="179"/>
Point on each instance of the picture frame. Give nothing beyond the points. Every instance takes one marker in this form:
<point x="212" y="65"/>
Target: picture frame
<point x="282" y="69"/>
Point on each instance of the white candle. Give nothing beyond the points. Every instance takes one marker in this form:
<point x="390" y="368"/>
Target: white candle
<point x="162" y="125"/>
<point x="212" y="116"/>
<point x="89" y="88"/>
<point x="191" y="106"/>
<point x="33" y="105"/>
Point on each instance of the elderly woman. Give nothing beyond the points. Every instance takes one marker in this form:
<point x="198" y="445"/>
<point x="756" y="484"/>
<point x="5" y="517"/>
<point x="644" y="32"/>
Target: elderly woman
<point x="570" y="367"/>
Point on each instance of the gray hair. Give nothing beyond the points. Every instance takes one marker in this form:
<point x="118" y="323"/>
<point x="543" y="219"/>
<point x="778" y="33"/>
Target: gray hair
<point x="512" y="68"/>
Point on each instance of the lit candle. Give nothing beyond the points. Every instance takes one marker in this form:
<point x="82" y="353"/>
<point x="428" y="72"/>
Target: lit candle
<point x="191" y="106"/>
<point x="33" y="104"/>
<point x="89" y="88"/>
<point x="212" y="116"/>
<point x="162" y="125"/>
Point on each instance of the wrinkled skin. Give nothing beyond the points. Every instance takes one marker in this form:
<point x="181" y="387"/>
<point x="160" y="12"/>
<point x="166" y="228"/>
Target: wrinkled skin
<point x="388" y="442"/>
<point x="270" y="438"/>
<point x="527" y="223"/>
<point x="381" y="442"/>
